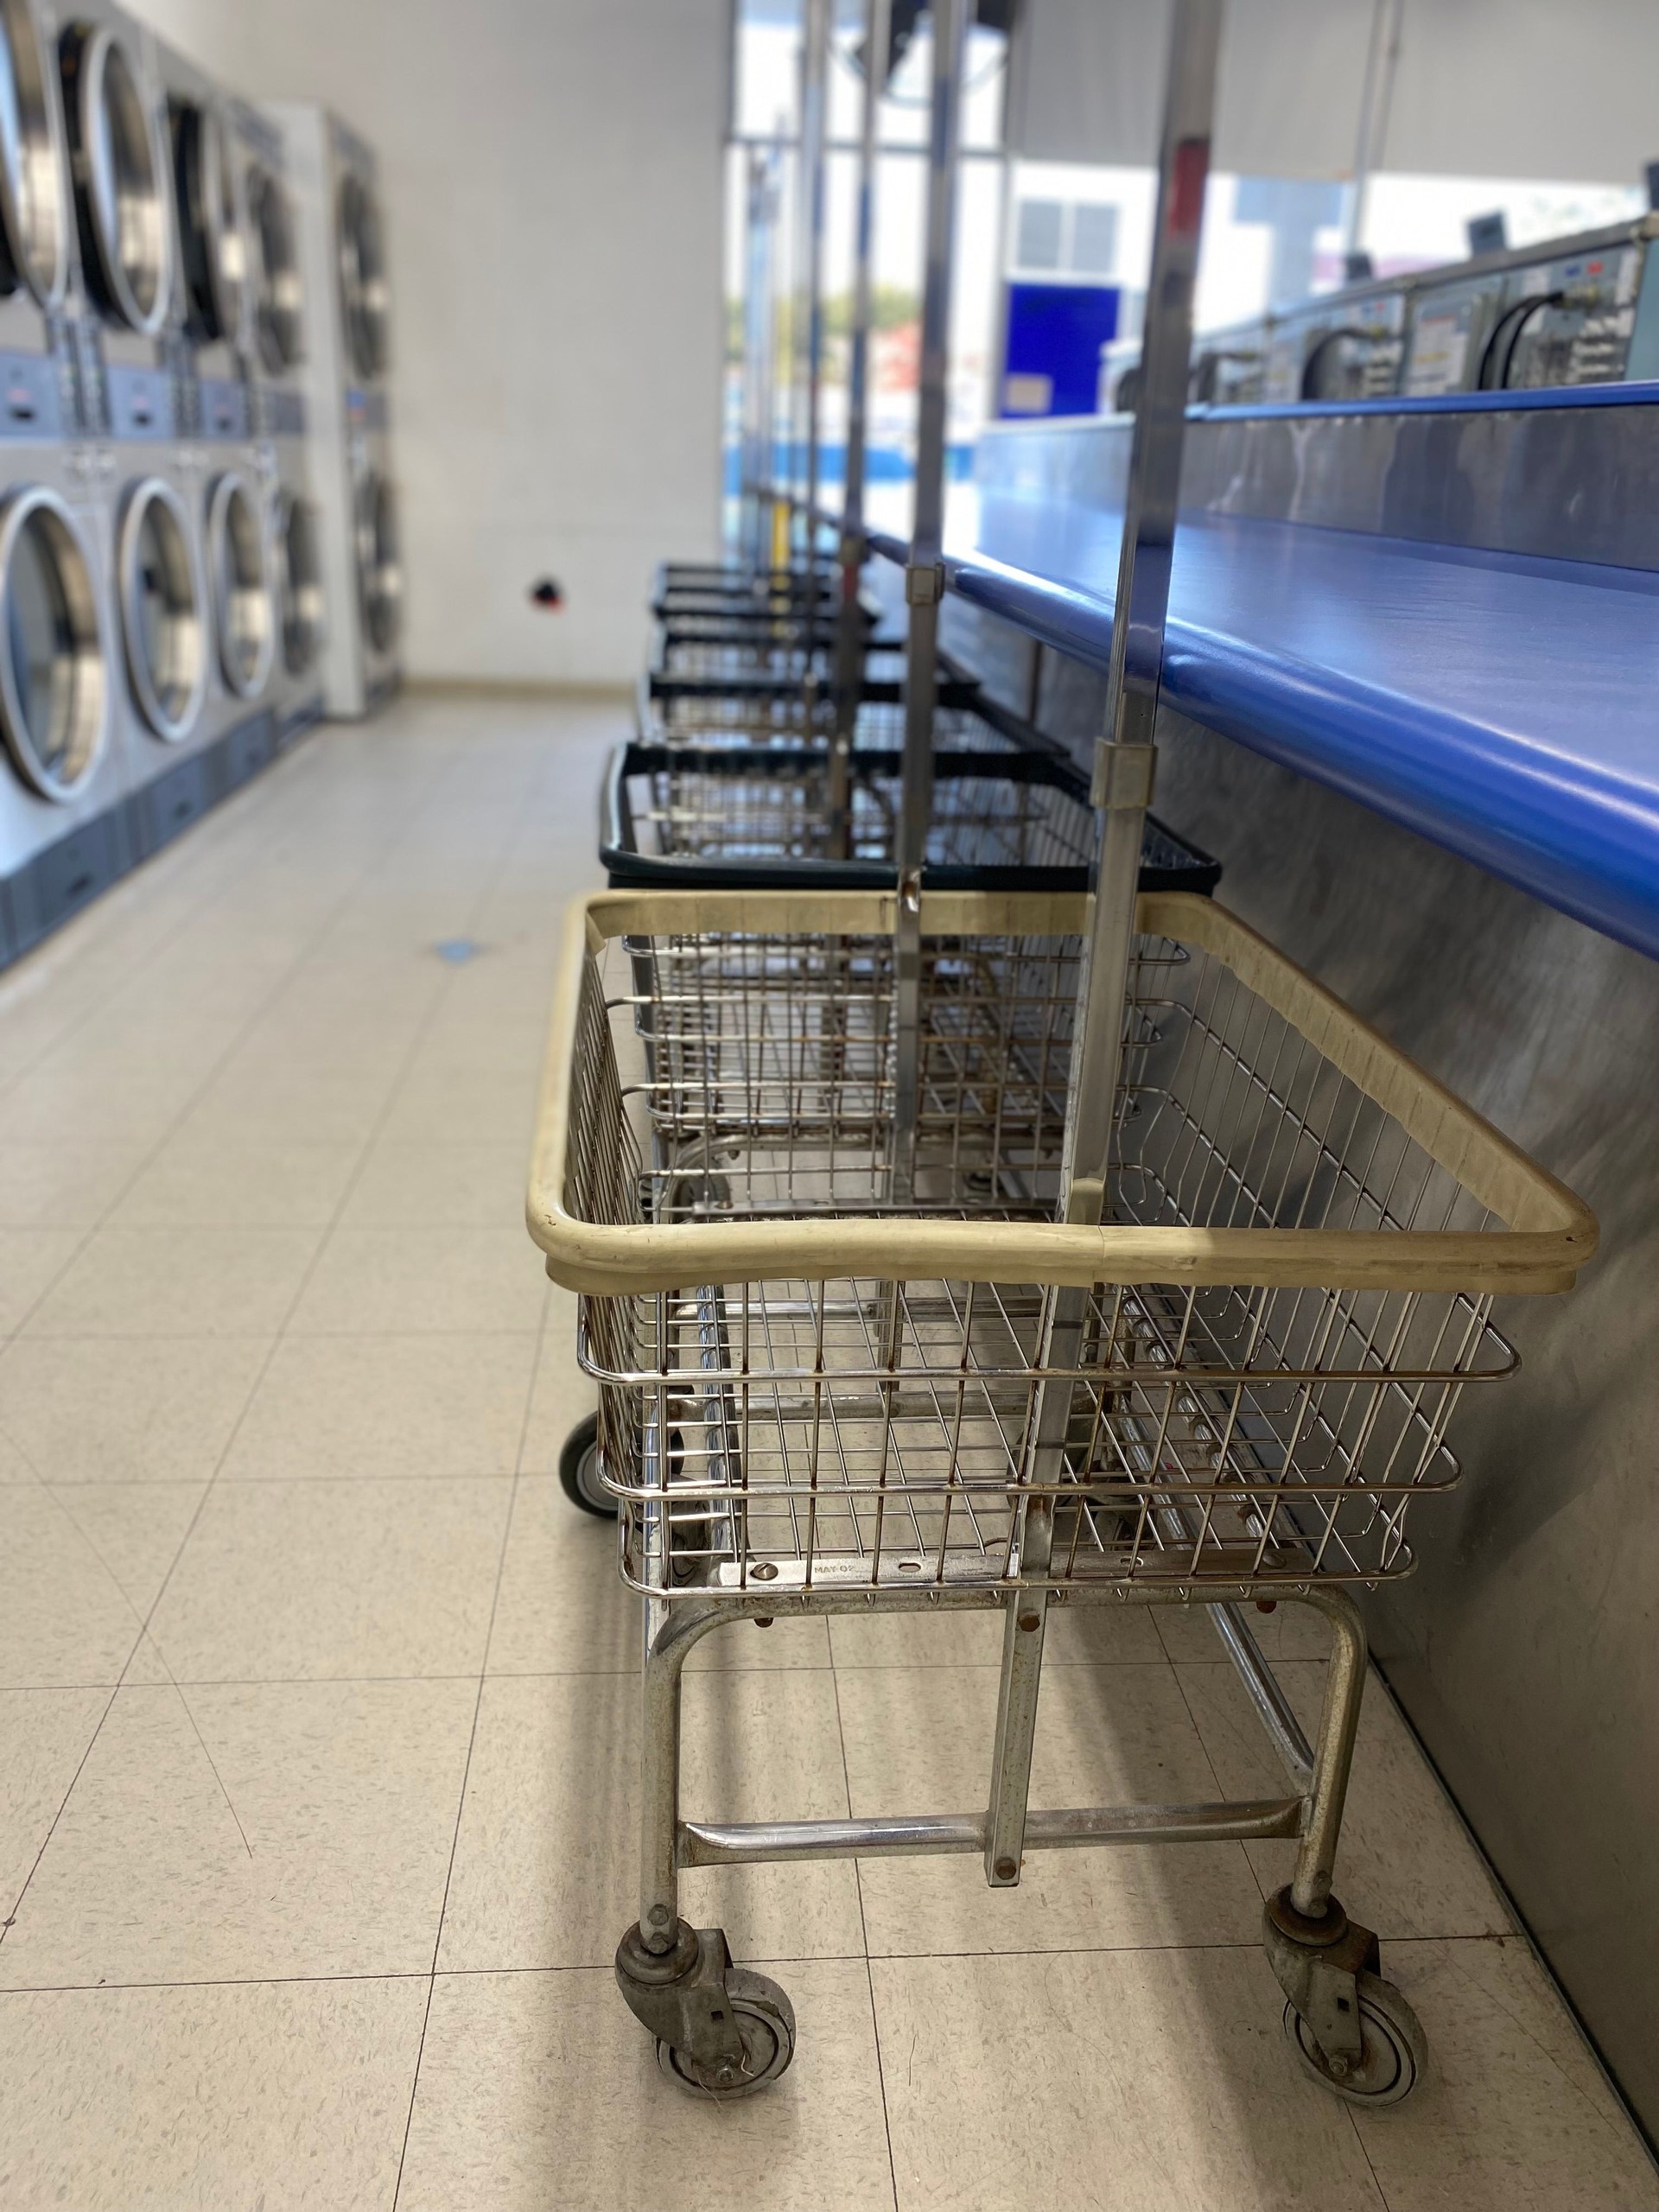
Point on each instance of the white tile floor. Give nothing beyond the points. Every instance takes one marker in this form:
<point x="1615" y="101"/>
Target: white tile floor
<point x="316" y="1700"/>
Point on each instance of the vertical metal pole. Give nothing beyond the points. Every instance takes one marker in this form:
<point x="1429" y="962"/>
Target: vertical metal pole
<point x="925" y="577"/>
<point x="1382" y="63"/>
<point x="815" y="63"/>
<point x="1123" y="787"/>
<point x="849" y="643"/>
<point x="760" y="333"/>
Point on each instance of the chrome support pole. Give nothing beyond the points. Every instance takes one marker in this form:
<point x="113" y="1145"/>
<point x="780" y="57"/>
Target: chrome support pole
<point x="1333" y="1756"/>
<point x="925" y="577"/>
<point x="759" y="338"/>
<point x="1375" y="99"/>
<point x="815" y="68"/>
<point x="849" y="648"/>
<point x="1121" y="791"/>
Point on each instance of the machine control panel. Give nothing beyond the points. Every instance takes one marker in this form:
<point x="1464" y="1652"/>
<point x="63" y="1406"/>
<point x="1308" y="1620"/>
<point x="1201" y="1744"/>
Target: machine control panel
<point x="1347" y="348"/>
<point x="1566" y="321"/>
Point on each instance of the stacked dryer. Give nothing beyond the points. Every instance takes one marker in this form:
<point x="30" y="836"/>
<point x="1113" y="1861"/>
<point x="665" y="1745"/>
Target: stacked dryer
<point x="342" y="263"/>
<point x="63" y="785"/>
<point x="280" y="458"/>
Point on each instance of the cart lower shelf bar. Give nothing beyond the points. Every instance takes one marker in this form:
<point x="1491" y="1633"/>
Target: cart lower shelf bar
<point x="708" y="1843"/>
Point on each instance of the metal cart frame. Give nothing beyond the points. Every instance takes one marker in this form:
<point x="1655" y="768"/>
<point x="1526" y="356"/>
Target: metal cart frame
<point x="862" y="1408"/>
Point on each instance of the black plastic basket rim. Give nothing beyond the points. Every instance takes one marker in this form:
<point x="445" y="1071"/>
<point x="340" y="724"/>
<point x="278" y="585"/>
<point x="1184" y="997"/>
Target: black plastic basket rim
<point x="1169" y="862"/>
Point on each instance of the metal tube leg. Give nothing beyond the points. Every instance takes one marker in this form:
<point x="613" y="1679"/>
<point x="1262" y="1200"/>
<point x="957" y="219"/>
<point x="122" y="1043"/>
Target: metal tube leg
<point x="1026" y="1621"/>
<point x="1023" y="1628"/>
<point x="659" y="1762"/>
<point x="1333" y="1755"/>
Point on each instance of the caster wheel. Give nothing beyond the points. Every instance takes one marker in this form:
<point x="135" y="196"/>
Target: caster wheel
<point x="765" y="2020"/>
<point x="579" y="1470"/>
<point x="1394" y="2053"/>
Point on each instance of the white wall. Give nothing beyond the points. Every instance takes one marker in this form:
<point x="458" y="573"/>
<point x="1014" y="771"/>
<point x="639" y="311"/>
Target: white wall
<point x="551" y="174"/>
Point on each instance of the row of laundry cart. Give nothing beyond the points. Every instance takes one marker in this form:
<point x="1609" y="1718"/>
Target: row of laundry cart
<point x="967" y="1211"/>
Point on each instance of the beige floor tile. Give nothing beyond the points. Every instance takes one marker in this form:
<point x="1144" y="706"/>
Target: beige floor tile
<point x="458" y="1036"/>
<point x="331" y="1581"/>
<point x="919" y="1740"/>
<point x="440" y="1186"/>
<point x="563" y="1607"/>
<point x="1121" y="2081"/>
<point x="214" y="1181"/>
<point x="178" y="1282"/>
<point x="43" y="1739"/>
<point x="1289" y="1632"/>
<point x="287" y="2097"/>
<point x="380" y="1281"/>
<point x="461" y="1105"/>
<point x="80" y="1568"/>
<point x="1513" y="2114"/>
<point x="49" y="1185"/>
<point x="540" y="2093"/>
<point x="293" y="1102"/>
<point x="123" y="1409"/>
<point x="546" y="1862"/>
<point x="31" y="1260"/>
<point x="385" y="1405"/>
<point x="564" y="1395"/>
<point x="250" y="1832"/>
<point x="1405" y="1866"/>
<point x="1076" y="1635"/>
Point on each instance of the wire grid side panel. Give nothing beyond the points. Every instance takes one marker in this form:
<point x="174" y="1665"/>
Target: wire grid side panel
<point x="977" y="821"/>
<point x="780" y="1047"/>
<point x="884" y="1433"/>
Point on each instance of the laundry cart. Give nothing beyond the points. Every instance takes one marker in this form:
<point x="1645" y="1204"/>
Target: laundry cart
<point x="1002" y="819"/>
<point x="843" y="1367"/>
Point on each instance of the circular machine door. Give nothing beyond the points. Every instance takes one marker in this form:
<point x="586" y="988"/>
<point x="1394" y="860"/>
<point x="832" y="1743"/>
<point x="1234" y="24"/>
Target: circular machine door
<point x="212" y="251"/>
<point x="278" y="318"/>
<point x="304" y="613"/>
<point x="116" y="147"/>
<point x="379" y="562"/>
<point x="363" y="289"/>
<point x="239" y="550"/>
<point x="34" y="231"/>
<point x="163" y="609"/>
<point x="54" y="697"/>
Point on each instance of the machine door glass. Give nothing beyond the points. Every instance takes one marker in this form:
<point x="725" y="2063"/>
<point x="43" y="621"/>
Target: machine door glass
<point x="122" y="180"/>
<point x="161" y="602"/>
<point x="54" y="691"/>
<point x="279" y="326"/>
<point x="303" y="610"/>
<point x="242" y="587"/>
<point x="364" y="293"/>
<point x="379" y="562"/>
<point x="211" y="250"/>
<point x="34" y="231"/>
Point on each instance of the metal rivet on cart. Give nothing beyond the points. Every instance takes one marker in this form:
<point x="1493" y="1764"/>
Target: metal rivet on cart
<point x="765" y="1570"/>
<point x="1029" y="1621"/>
<point x="1006" y="1869"/>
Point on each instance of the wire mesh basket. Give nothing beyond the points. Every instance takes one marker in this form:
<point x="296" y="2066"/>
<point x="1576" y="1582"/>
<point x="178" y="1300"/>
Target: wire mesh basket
<point x="694" y="588"/>
<point x="808" y="1378"/>
<point x="1001" y="820"/>
<point x="748" y="706"/>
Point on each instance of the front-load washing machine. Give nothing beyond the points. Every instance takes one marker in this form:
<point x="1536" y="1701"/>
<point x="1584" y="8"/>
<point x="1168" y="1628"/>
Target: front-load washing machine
<point x="280" y="340"/>
<point x="130" y="351"/>
<point x="65" y="832"/>
<point x="37" y="233"/>
<point x="177" y="715"/>
<point x="211" y="249"/>
<point x="343" y="263"/>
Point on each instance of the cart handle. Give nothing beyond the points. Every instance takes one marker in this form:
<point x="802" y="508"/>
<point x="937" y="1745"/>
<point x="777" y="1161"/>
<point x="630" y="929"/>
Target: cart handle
<point x="1550" y="1233"/>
